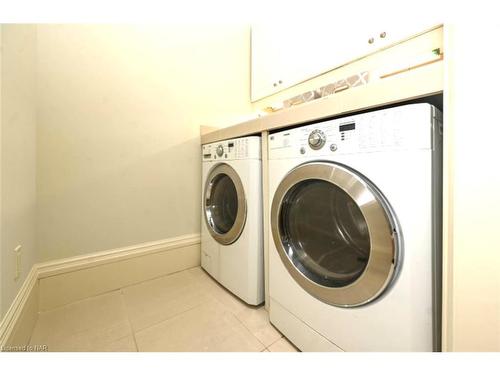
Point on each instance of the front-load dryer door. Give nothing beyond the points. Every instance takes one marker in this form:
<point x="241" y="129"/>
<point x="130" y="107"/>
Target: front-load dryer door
<point x="335" y="233"/>
<point x="224" y="203"/>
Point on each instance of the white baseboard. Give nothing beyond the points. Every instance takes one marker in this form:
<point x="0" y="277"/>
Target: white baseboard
<point x="20" y="319"/>
<point x="56" y="283"/>
<point x="59" y="266"/>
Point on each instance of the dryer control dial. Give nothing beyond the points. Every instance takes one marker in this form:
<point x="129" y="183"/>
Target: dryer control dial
<point x="317" y="139"/>
<point x="220" y="150"/>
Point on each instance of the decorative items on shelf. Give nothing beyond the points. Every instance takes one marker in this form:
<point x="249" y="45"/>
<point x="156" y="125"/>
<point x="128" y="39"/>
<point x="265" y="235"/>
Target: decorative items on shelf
<point x="302" y="98"/>
<point x="344" y="84"/>
<point x="332" y="88"/>
<point x="360" y="79"/>
<point x="270" y="109"/>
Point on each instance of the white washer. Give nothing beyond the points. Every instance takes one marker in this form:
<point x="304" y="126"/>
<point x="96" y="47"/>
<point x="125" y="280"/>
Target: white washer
<point x="354" y="250"/>
<point x="231" y="236"/>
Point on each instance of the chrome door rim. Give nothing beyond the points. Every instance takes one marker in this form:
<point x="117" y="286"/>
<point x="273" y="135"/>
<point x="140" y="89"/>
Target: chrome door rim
<point x="385" y="235"/>
<point x="234" y="233"/>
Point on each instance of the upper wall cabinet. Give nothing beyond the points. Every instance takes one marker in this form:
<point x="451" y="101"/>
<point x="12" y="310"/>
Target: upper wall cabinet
<point x="285" y="55"/>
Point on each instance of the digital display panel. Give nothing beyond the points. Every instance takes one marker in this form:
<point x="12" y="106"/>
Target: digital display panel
<point x="345" y="127"/>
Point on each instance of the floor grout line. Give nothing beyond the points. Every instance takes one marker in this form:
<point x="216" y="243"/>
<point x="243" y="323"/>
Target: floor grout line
<point x="78" y="301"/>
<point x="159" y="277"/>
<point x="34" y="327"/>
<point x="167" y="319"/>
<point x="128" y="319"/>
<point x="275" y="341"/>
<point x="212" y="299"/>
<point x="288" y="341"/>
<point x="267" y="313"/>
<point x="77" y="332"/>
<point x="118" y="289"/>
<point x="248" y="329"/>
<point x="163" y="320"/>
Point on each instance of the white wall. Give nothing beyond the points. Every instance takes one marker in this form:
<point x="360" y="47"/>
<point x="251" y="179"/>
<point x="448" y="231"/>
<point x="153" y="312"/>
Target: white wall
<point x="17" y="148"/>
<point x="472" y="185"/>
<point x="118" y="129"/>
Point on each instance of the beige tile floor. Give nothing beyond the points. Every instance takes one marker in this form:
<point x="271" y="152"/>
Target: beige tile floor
<point x="185" y="311"/>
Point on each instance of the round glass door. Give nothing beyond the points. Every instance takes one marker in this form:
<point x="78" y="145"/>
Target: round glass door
<point x="324" y="233"/>
<point x="222" y="205"/>
<point x="335" y="233"/>
<point x="225" y="205"/>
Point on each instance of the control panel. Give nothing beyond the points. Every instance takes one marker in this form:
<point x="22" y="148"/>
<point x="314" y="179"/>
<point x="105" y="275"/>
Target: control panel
<point x="316" y="139"/>
<point x="405" y="127"/>
<point x="232" y="149"/>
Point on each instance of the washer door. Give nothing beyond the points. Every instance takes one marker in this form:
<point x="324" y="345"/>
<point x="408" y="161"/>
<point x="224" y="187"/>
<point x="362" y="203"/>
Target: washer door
<point x="224" y="204"/>
<point x="335" y="233"/>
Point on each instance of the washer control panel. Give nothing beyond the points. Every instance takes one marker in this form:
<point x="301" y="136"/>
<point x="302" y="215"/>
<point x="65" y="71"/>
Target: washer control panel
<point x="232" y="149"/>
<point x="220" y="149"/>
<point x="316" y="139"/>
<point x="405" y="127"/>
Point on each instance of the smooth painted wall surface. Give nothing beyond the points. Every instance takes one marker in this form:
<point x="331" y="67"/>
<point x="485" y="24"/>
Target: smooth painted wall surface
<point x="119" y="111"/>
<point x="472" y="186"/>
<point x="17" y="147"/>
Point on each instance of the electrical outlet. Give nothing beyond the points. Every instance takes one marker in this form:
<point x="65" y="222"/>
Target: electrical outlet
<point x="17" y="250"/>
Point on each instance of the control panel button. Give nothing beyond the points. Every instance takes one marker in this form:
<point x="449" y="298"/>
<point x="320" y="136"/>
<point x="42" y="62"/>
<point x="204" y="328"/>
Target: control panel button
<point x="317" y="139"/>
<point x="302" y="150"/>
<point x="220" y="150"/>
<point x="333" y="147"/>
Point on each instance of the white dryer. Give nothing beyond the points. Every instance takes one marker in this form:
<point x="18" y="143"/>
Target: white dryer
<point x="355" y="247"/>
<point x="231" y="222"/>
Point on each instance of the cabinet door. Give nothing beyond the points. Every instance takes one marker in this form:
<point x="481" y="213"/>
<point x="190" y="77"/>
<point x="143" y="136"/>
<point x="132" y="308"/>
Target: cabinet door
<point x="284" y="55"/>
<point x="267" y="54"/>
<point x="325" y="47"/>
<point x="390" y="33"/>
